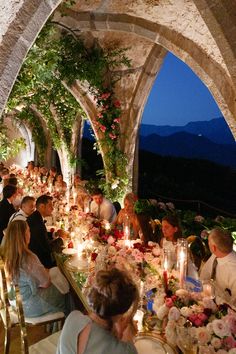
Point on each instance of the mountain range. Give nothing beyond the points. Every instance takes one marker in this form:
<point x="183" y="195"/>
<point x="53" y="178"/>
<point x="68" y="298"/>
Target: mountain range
<point x="209" y="140"/>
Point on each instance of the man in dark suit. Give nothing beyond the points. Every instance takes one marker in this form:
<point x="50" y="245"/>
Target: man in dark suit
<point x="6" y="208"/>
<point x="40" y="242"/>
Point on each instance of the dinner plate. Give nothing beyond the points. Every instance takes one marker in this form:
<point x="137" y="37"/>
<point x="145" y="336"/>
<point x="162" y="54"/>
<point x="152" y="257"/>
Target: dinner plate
<point x="146" y="343"/>
<point x="69" y="251"/>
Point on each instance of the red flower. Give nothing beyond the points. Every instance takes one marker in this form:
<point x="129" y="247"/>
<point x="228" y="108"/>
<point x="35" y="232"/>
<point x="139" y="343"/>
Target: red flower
<point x="117" y="104"/>
<point x="103" y="128"/>
<point x="70" y="245"/>
<point x="93" y="256"/>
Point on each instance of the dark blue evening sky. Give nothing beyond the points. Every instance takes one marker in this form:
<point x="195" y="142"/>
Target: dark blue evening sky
<point x="178" y="96"/>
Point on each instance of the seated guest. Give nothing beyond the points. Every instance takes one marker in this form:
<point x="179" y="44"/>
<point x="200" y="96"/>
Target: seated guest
<point x="59" y="184"/>
<point x="128" y="214"/>
<point x="221" y="266"/>
<point x="6" y="207"/>
<point x="27" y="207"/>
<point x="51" y="178"/>
<point x="40" y="242"/>
<point x="39" y="295"/>
<point x="171" y="230"/>
<point x="110" y="328"/>
<point x="101" y="207"/>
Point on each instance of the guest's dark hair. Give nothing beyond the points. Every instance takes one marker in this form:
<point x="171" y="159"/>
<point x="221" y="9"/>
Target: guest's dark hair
<point x="112" y="294"/>
<point x="9" y="190"/>
<point x="96" y="191"/>
<point x="12" y="181"/>
<point x="174" y="221"/>
<point x="43" y="199"/>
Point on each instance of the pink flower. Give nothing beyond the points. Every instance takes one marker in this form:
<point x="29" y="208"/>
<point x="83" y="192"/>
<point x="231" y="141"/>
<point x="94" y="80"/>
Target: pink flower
<point x="112" y="136"/>
<point x="169" y="302"/>
<point x="229" y="342"/>
<point x="117" y="120"/>
<point x="105" y="96"/>
<point x="113" y="126"/>
<point x="231" y="320"/>
<point x="103" y="128"/>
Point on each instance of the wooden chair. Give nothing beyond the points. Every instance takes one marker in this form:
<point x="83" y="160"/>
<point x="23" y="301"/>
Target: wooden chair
<point x="13" y="315"/>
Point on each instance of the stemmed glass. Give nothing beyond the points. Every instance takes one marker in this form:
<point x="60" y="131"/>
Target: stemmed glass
<point x="186" y="341"/>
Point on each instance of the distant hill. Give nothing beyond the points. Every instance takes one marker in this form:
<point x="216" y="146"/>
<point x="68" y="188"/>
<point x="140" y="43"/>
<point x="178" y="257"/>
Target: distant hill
<point x="215" y="130"/>
<point x="187" y="145"/>
<point x="209" y="140"/>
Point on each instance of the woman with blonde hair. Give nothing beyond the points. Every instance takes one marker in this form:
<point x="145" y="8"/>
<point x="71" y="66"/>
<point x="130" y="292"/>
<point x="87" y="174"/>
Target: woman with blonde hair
<point x="109" y="328"/>
<point x="128" y="215"/>
<point x="39" y="295"/>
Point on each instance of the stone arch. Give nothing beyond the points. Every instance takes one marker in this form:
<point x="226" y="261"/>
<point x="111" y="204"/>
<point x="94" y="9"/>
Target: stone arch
<point x="23" y="21"/>
<point x="220" y="20"/>
<point x="209" y="71"/>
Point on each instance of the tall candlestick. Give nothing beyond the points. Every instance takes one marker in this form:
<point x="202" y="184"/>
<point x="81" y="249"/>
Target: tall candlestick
<point x="182" y="256"/>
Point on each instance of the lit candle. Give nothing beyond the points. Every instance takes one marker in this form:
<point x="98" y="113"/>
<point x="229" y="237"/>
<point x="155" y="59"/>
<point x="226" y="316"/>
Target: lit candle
<point x="139" y="318"/>
<point x="126" y="232"/>
<point x="165" y="274"/>
<point x="182" y="268"/>
<point x="86" y="209"/>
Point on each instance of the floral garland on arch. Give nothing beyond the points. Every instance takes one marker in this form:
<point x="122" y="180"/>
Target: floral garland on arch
<point x="115" y="162"/>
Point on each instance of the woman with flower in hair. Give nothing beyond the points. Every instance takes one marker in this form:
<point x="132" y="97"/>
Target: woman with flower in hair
<point x="128" y="216"/>
<point x="109" y="328"/>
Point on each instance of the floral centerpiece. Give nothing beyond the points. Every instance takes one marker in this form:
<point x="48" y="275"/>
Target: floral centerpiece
<point x="195" y="320"/>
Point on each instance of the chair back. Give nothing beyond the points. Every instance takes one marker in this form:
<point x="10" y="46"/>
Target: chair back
<point x="5" y="308"/>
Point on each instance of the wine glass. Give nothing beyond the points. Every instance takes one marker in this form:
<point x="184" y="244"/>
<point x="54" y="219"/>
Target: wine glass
<point x="186" y="340"/>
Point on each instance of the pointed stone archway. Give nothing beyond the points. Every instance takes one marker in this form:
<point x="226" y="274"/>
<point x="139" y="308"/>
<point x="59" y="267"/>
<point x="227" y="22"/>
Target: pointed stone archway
<point x="198" y="32"/>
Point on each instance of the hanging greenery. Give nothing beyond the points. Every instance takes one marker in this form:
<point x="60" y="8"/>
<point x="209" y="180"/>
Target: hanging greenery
<point x="9" y="147"/>
<point x="96" y="67"/>
<point x="39" y="86"/>
<point x="58" y="58"/>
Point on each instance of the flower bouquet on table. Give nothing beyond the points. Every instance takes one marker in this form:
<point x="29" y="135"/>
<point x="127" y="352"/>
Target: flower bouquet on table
<point x="192" y="321"/>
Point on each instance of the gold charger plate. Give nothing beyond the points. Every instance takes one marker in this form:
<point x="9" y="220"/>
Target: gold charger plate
<point x="152" y="343"/>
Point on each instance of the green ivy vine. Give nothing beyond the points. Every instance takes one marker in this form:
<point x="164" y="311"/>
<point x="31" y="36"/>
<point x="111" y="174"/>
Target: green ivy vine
<point x="62" y="57"/>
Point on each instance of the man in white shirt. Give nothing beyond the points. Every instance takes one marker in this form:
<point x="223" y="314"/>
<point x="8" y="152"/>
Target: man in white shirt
<point x="221" y="266"/>
<point x="101" y="207"/>
<point x="27" y="207"/>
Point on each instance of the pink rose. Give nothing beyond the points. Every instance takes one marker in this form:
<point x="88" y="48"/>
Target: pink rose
<point x="169" y="302"/>
<point x="229" y="342"/>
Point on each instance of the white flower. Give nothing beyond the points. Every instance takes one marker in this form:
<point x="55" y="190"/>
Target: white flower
<point x="221" y="328"/>
<point x="148" y="257"/>
<point x="170" y="333"/>
<point x="170" y="206"/>
<point x="209" y="328"/>
<point x="203" y="335"/>
<point x="232" y="351"/>
<point x="209" y="303"/>
<point x="221" y="351"/>
<point x="159" y="301"/>
<point x="216" y="342"/>
<point x="162" y="312"/>
<point x="115" y="184"/>
<point x="199" y="218"/>
<point x="162" y="205"/>
<point x="185" y="311"/>
<point x="174" y="314"/>
<point x="111" y="250"/>
<point x="156" y="251"/>
<point x="182" y="293"/>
